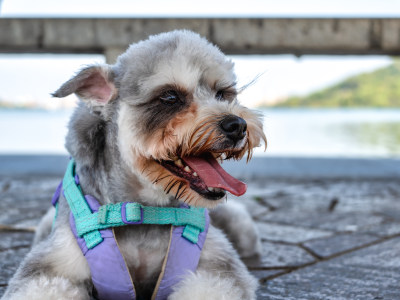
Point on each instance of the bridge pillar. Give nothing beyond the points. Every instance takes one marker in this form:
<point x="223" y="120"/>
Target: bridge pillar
<point x="111" y="54"/>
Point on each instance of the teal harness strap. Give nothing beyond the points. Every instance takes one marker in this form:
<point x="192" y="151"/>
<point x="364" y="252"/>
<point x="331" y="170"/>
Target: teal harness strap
<point x="111" y="215"/>
<point x="78" y="204"/>
<point x="88" y="224"/>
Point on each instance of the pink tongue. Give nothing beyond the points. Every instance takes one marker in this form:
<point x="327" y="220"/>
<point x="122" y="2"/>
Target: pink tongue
<point x="214" y="176"/>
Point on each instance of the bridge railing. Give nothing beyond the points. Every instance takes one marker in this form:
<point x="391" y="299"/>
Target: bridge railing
<point x="297" y="36"/>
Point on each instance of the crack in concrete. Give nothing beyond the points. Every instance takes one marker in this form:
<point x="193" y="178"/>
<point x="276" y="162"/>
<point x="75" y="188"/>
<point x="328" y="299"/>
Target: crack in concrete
<point x="322" y="259"/>
<point x="310" y="251"/>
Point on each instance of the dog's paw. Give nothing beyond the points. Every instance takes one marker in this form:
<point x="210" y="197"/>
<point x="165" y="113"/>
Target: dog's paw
<point x="44" y="288"/>
<point x="44" y="228"/>
<point x="202" y="285"/>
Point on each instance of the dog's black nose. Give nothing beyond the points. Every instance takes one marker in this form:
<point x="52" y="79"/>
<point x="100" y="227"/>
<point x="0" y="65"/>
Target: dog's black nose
<point x="234" y="127"/>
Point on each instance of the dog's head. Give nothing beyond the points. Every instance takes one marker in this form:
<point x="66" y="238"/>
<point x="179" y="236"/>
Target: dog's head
<point x="172" y="100"/>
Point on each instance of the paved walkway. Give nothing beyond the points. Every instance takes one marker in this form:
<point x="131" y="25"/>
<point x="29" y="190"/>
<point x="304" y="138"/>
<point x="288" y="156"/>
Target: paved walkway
<point x="328" y="239"/>
<point x="323" y="238"/>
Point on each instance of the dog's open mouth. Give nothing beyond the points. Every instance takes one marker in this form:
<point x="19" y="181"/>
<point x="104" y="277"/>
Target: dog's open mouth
<point x="205" y="176"/>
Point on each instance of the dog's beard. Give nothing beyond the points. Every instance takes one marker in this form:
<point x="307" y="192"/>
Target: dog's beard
<point x="193" y="174"/>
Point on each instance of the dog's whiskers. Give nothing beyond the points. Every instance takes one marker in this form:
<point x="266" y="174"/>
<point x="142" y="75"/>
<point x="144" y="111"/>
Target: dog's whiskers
<point x="180" y="192"/>
<point x="171" y="185"/>
<point x="190" y="200"/>
<point x="162" y="178"/>
<point x="183" y="193"/>
<point x="168" y="184"/>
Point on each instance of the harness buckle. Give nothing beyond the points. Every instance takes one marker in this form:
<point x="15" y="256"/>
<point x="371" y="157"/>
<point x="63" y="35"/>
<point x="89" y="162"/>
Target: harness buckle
<point x="123" y="215"/>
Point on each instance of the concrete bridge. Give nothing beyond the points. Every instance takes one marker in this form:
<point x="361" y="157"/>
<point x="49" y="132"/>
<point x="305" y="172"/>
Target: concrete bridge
<point x="233" y="35"/>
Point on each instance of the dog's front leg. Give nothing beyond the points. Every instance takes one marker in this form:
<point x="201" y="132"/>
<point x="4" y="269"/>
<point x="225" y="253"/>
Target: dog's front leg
<point x="235" y="221"/>
<point x="54" y="269"/>
<point x="220" y="275"/>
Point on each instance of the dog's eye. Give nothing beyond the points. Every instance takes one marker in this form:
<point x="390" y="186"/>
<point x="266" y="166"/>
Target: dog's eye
<point x="219" y="95"/>
<point x="169" y="97"/>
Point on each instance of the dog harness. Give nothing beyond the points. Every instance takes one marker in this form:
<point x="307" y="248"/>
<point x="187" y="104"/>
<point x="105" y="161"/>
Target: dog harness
<point x="92" y="225"/>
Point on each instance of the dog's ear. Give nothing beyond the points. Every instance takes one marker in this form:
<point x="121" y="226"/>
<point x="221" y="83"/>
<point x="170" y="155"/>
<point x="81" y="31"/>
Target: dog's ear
<point x="94" y="85"/>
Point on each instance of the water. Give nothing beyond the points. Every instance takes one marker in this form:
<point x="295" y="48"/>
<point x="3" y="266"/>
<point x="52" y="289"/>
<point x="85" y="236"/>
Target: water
<point x="33" y="131"/>
<point x="290" y="132"/>
<point x="332" y="132"/>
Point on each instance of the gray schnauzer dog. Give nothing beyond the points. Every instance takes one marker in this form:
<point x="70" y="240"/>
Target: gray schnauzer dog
<point x="152" y="129"/>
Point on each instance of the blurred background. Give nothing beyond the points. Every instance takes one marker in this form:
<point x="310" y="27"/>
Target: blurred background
<point x="316" y="103"/>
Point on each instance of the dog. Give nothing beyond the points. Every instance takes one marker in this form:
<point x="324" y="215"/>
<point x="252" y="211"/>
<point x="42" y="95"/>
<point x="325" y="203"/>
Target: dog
<point x="151" y="129"/>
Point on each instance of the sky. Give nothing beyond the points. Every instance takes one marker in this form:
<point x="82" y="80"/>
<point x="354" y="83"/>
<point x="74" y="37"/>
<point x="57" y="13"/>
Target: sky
<point x="261" y="8"/>
<point x="26" y="78"/>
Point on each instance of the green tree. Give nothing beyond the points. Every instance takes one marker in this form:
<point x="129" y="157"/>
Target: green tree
<point x="380" y="88"/>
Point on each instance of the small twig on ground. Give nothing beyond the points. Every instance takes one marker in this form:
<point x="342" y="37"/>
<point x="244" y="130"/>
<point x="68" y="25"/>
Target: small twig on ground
<point x="16" y="228"/>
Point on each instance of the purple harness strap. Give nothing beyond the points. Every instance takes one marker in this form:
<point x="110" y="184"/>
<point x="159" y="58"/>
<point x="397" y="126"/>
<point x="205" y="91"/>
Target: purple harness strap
<point x="183" y="256"/>
<point x="110" y="274"/>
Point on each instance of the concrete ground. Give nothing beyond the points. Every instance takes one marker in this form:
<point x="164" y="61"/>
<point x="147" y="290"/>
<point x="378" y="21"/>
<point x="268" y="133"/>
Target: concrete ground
<point x="330" y="228"/>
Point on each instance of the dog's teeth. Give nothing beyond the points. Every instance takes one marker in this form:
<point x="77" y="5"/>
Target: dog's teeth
<point x="179" y="163"/>
<point x="215" y="190"/>
<point x="187" y="169"/>
<point x="195" y="174"/>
